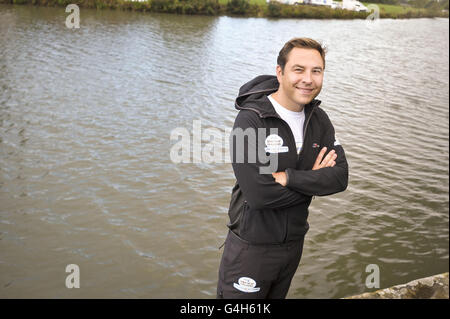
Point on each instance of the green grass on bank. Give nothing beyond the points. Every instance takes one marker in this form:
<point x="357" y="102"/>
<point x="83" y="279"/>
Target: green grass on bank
<point x="394" y="9"/>
<point x="246" y="8"/>
<point x="400" y="11"/>
<point x="387" y="9"/>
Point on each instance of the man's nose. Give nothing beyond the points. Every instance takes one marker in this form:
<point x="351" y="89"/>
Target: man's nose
<point x="307" y="78"/>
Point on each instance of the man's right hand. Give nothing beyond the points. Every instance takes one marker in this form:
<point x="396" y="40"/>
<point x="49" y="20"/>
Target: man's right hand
<point x="328" y="161"/>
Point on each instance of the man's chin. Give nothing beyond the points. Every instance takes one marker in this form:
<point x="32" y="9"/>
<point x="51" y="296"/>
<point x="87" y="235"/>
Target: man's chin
<point x="304" y="101"/>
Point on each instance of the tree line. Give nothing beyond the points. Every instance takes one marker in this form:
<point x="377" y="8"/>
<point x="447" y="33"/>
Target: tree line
<point x="273" y="9"/>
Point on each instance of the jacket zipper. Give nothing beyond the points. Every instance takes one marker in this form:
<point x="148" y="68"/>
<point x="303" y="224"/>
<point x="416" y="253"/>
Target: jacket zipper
<point x="304" y="131"/>
<point x="298" y="157"/>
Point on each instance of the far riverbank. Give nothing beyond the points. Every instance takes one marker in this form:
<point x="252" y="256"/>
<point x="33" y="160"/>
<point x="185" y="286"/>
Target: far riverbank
<point x="245" y="8"/>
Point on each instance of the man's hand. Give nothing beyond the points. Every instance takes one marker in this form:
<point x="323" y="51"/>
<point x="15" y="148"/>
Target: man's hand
<point x="328" y="161"/>
<point x="280" y="177"/>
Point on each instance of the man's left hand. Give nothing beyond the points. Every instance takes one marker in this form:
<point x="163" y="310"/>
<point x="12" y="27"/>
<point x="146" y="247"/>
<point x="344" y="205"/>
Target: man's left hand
<point x="280" y="177"/>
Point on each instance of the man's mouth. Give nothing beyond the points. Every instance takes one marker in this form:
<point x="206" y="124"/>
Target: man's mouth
<point x="305" y="90"/>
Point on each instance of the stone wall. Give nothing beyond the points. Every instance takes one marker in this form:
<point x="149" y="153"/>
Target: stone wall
<point x="433" y="287"/>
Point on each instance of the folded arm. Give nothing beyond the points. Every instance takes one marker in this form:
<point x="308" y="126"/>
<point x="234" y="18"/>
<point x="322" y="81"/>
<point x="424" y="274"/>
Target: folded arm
<point x="328" y="176"/>
<point x="260" y="190"/>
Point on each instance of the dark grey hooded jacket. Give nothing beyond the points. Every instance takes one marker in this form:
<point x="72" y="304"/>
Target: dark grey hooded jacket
<point x="261" y="210"/>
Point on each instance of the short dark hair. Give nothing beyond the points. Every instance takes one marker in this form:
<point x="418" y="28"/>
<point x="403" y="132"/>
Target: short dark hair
<point x="305" y="43"/>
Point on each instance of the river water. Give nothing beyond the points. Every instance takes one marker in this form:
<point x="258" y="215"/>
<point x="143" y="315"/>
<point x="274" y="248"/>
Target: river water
<point x="86" y="176"/>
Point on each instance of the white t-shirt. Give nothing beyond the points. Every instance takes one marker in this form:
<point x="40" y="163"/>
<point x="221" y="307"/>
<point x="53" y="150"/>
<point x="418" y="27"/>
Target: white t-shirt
<point x="294" y="119"/>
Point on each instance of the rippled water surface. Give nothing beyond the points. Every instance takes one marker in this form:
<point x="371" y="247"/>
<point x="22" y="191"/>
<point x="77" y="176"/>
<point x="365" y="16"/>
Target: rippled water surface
<point x="86" y="176"/>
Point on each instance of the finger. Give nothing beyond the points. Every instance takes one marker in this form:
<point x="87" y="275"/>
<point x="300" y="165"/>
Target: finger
<point x="320" y="156"/>
<point x="333" y="158"/>
<point x="331" y="163"/>
<point x="328" y="158"/>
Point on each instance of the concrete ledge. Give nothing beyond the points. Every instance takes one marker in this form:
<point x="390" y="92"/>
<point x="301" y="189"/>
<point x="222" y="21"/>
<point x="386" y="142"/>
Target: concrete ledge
<point x="433" y="287"/>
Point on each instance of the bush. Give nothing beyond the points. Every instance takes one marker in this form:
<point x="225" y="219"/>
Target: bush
<point x="238" y="7"/>
<point x="274" y="9"/>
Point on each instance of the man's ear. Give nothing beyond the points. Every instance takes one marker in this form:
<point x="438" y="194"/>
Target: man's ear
<point x="279" y="73"/>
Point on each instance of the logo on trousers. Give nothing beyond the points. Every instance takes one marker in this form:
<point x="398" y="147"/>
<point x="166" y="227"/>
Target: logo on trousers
<point x="246" y="284"/>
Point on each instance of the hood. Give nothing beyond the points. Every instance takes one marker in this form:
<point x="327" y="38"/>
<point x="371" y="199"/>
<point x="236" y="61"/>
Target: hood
<point x="253" y="96"/>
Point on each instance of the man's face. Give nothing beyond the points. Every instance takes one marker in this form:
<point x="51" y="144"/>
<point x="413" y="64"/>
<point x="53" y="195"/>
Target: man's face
<point x="302" y="78"/>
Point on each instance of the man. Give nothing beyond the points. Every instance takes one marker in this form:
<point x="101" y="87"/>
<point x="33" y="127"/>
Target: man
<point x="268" y="211"/>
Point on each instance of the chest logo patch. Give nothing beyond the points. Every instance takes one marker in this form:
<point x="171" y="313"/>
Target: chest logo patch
<point x="274" y="144"/>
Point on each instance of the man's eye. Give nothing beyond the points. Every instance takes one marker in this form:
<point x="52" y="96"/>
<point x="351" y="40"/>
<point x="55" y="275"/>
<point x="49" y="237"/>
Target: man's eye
<point x="298" y="70"/>
<point x="317" y="71"/>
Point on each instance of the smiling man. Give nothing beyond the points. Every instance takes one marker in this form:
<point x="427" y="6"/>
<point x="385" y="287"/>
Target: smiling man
<point x="268" y="212"/>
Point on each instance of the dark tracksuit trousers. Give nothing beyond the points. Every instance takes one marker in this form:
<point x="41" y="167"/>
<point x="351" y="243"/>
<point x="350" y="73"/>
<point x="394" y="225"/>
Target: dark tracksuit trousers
<point x="257" y="271"/>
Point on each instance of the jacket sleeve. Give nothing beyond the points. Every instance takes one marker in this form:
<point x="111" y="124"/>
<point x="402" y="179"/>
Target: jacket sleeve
<point x="324" y="181"/>
<point x="259" y="190"/>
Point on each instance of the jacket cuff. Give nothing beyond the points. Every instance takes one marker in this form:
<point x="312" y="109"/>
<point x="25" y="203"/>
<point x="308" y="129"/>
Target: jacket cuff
<point x="287" y="176"/>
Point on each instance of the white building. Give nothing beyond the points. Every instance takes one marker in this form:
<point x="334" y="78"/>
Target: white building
<point x="353" y="5"/>
<point x="311" y="2"/>
<point x="336" y="5"/>
<point x="328" y="3"/>
<point x="291" y="2"/>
